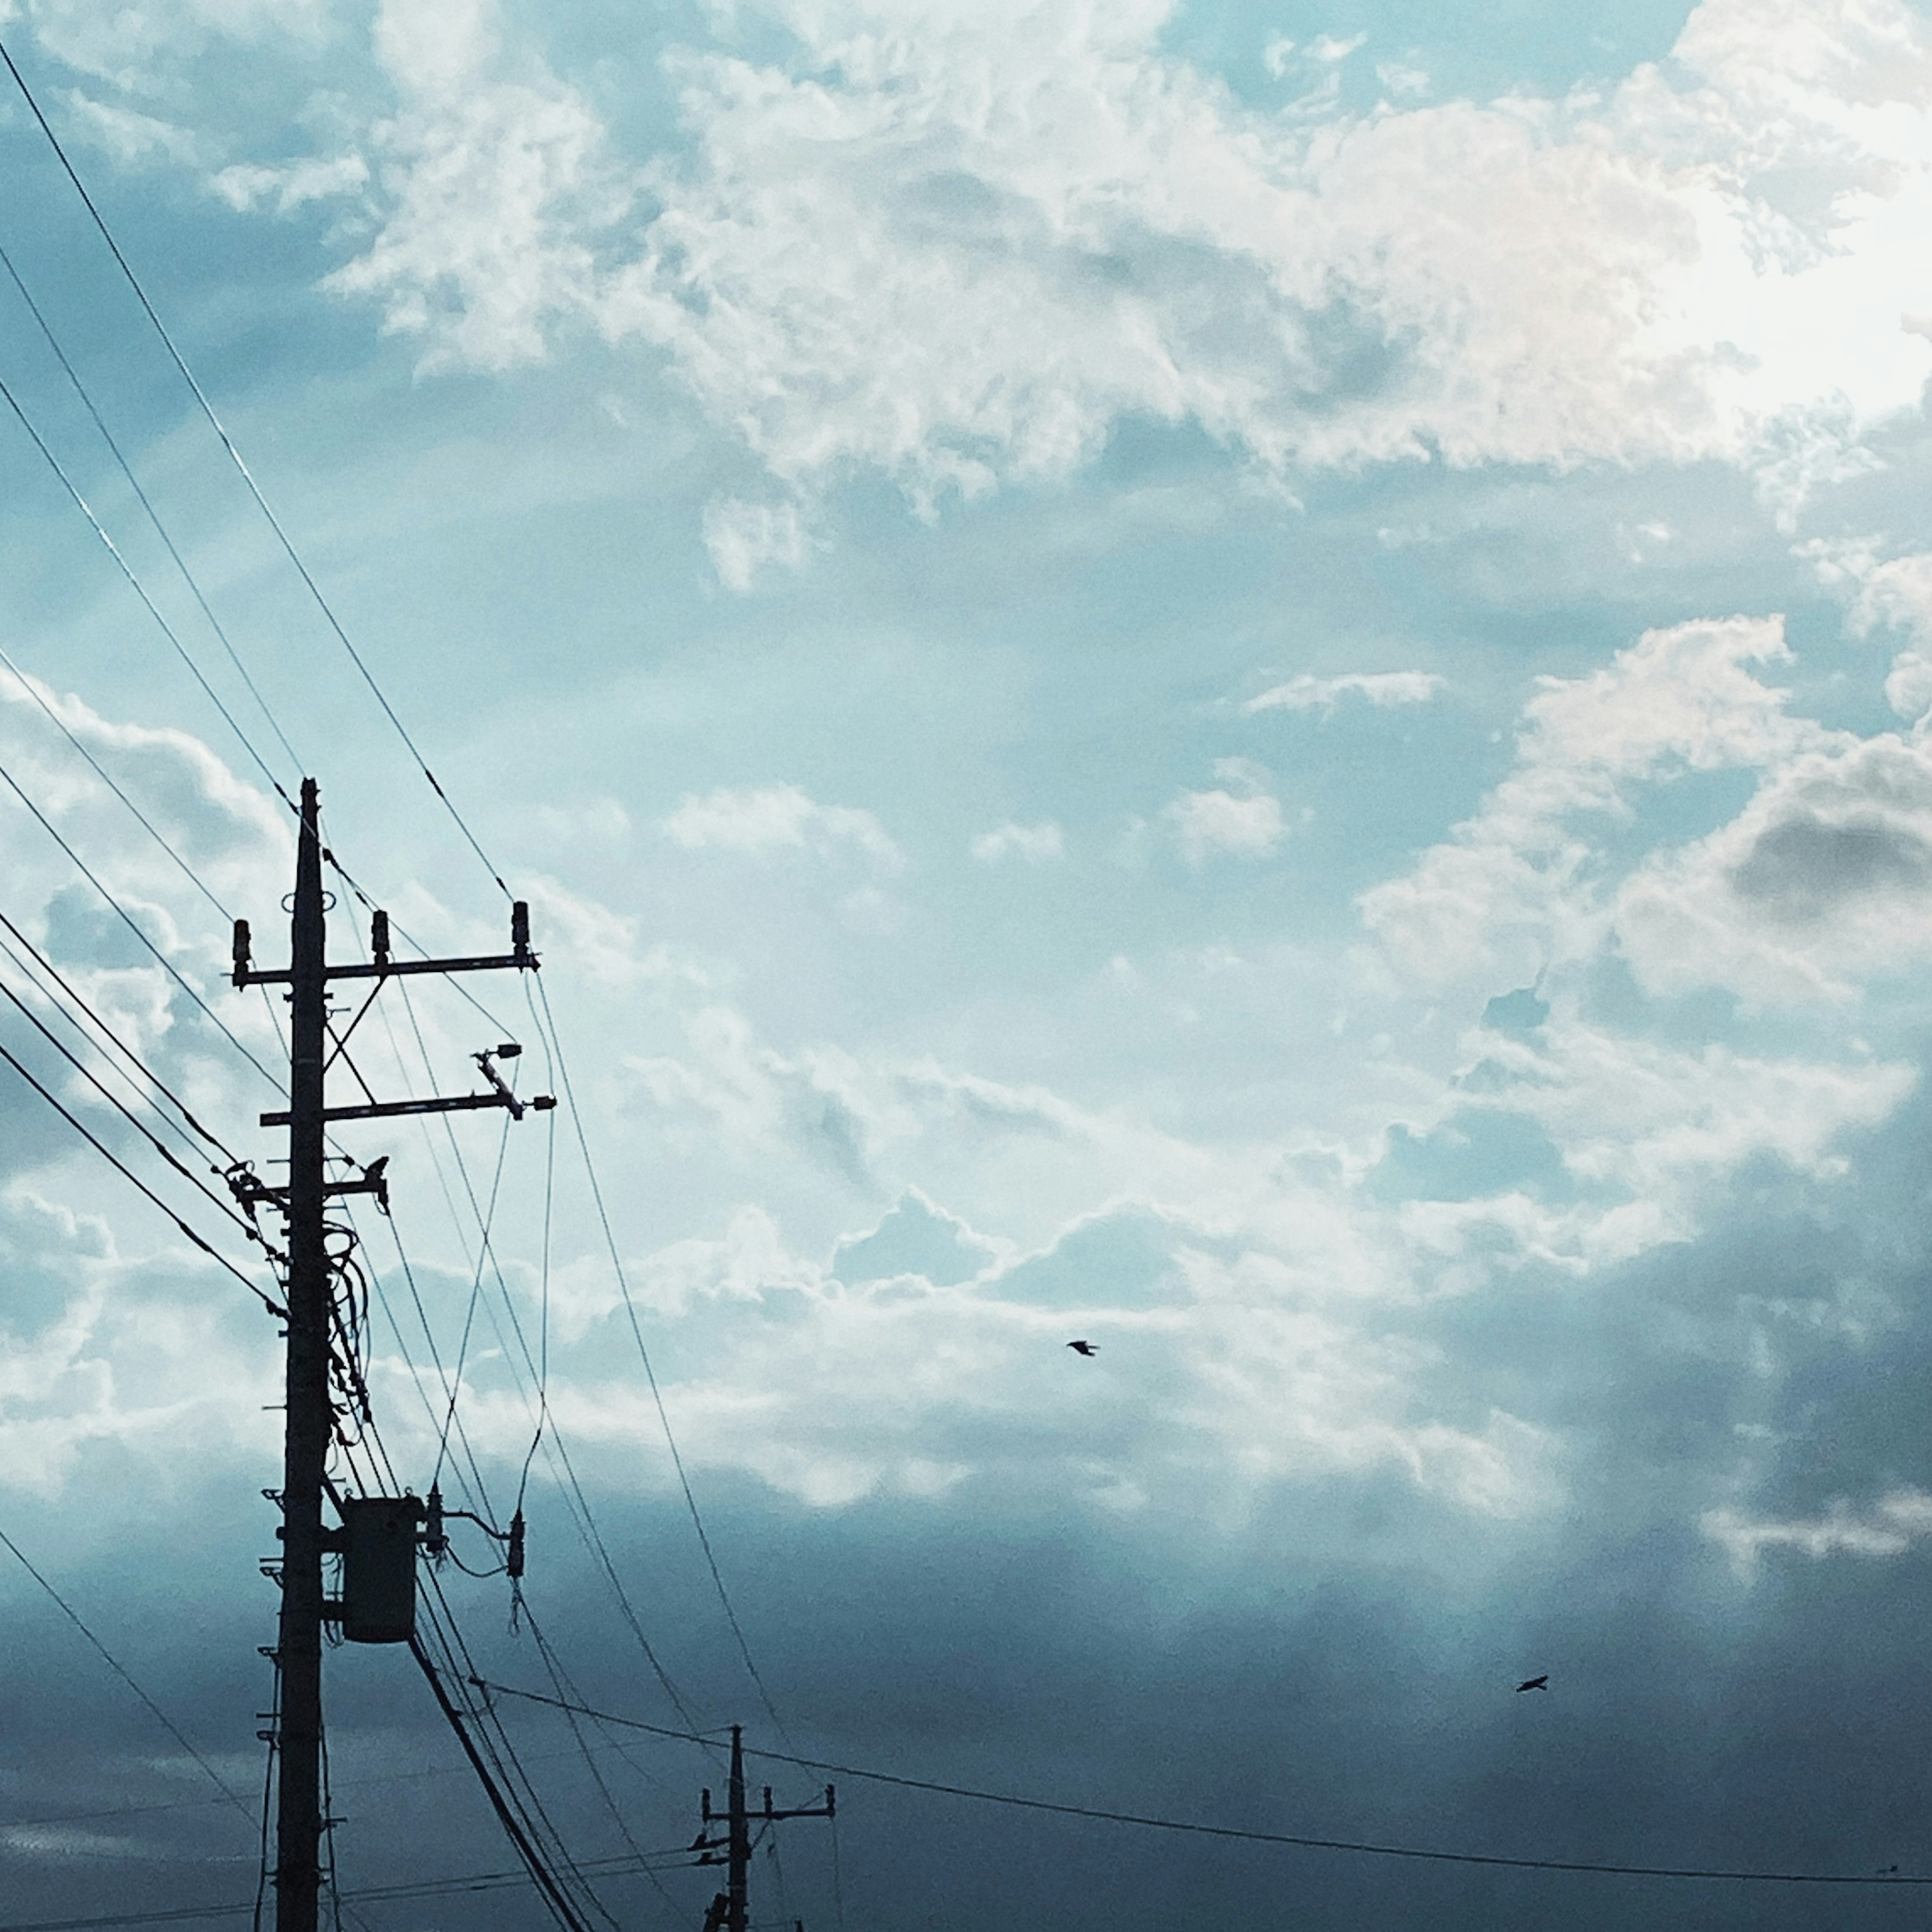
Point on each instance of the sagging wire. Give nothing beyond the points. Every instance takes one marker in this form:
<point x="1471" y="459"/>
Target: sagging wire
<point x="160" y="529"/>
<point x="127" y="1053"/>
<point x="546" y="1026"/>
<point x="543" y="1310"/>
<point x="254" y="489"/>
<point x="475" y="1294"/>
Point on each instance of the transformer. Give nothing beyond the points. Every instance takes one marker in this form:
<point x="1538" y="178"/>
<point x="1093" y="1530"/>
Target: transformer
<point x="379" y="1568"/>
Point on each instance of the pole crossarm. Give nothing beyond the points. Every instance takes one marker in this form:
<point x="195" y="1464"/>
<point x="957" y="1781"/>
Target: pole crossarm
<point x="730" y="1910"/>
<point x="393" y="969"/>
<point x="382" y="1110"/>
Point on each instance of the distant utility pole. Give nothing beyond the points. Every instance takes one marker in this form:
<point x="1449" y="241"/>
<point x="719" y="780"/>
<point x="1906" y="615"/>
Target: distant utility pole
<point x="729" y="1909"/>
<point x="311" y="1288"/>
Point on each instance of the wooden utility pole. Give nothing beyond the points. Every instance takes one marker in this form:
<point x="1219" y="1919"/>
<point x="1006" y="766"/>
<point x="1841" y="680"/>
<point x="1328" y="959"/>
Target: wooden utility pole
<point x="730" y="1910"/>
<point x="298" y="1820"/>
<point x="310" y="1288"/>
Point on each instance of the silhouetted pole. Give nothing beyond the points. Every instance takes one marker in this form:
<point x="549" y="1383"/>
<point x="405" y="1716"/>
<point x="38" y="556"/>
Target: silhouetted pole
<point x="298" y="1821"/>
<point x="309" y="1418"/>
<point x="730" y="1911"/>
<point x="737" y="1889"/>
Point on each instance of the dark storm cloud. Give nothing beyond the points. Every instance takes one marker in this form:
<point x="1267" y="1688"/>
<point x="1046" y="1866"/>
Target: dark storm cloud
<point x="1802" y="868"/>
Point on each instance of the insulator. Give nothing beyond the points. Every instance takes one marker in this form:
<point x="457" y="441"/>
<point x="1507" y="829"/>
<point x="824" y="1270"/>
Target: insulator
<point x="241" y="951"/>
<point x="379" y="937"/>
<point x="514" y="1561"/>
<point x="520" y="927"/>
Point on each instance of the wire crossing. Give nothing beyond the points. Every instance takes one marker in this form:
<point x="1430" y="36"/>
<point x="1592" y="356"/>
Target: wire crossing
<point x="1299" y="1841"/>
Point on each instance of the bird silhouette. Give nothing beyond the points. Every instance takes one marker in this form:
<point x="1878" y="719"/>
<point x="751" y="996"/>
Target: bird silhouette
<point x="1083" y="1347"/>
<point x="1536" y="1683"/>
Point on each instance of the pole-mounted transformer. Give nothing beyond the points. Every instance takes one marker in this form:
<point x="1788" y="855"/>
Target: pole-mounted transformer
<point x="378" y="1539"/>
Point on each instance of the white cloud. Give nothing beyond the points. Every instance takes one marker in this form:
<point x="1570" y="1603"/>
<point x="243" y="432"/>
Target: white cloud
<point x="1382" y="688"/>
<point x="1512" y="888"/>
<point x="1889" y="1528"/>
<point x="493" y="189"/>
<point x="743" y="538"/>
<point x="958" y="246"/>
<point x="765" y="818"/>
<point x="1045" y="223"/>
<point x="1036" y="843"/>
<point x="1240" y="818"/>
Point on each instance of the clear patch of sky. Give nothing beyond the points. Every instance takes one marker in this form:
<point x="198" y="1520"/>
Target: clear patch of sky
<point x="1508" y="46"/>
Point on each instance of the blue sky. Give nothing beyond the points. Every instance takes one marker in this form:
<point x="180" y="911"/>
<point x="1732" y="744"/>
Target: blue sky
<point x="1253" y="682"/>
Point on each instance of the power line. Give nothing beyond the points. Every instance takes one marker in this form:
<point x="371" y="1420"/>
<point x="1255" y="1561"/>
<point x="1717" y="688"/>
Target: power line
<point x="141" y="496"/>
<point x="127" y="570"/>
<point x="175" y="1127"/>
<point x="554" y="1044"/>
<point x="127" y="918"/>
<point x="128" y="1174"/>
<point x="1299" y="1841"/>
<point x="32" y="687"/>
<point x="407" y="1888"/>
<point x="249" y="1231"/>
<point x="242" y="468"/>
<point x="120" y="1670"/>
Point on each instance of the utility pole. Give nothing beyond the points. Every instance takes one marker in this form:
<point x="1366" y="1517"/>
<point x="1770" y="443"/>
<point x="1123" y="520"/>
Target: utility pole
<point x="299" y="1824"/>
<point x="730" y="1909"/>
<point x="310" y="1419"/>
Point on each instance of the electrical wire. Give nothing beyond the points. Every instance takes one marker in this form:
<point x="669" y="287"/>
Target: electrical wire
<point x="32" y="688"/>
<point x="128" y="1174"/>
<point x="160" y="529"/>
<point x="167" y="965"/>
<point x="166" y="1120"/>
<point x="127" y="570"/>
<point x="235" y="456"/>
<point x="554" y="1044"/>
<point x="249" y="1230"/>
<point x="127" y="1053"/>
<point x="1299" y="1841"/>
<point x="120" y="1671"/>
<point x="408" y="1889"/>
<point x="555" y="1450"/>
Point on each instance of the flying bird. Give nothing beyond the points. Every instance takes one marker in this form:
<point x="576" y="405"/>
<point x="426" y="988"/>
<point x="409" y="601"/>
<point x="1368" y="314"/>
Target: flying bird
<point x="1083" y="1347"/>
<point x="1536" y="1683"/>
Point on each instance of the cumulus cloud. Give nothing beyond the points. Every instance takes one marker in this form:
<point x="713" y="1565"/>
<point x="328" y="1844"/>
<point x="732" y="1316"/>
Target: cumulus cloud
<point x="1036" y="843"/>
<point x="1240" y="817"/>
<point x="958" y="246"/>
<point x="756" y="819"/>
<point x="1381" y="688"/>
<point x="1512" y="888"/>
<point x="495" y="177"/>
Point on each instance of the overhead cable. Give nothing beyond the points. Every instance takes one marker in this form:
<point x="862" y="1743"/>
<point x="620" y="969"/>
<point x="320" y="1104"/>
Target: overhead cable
<point x="554" y="1044"/>
<point x="1299" y="1841"/>
<point x="127" y="570"/>
<point x="141" y="496"/>
<point x="127" y="920"/>
<point x="235" y="456"/>
<point x="120" y="1046"/>
<point x="32" y="687"/>
<point x="249" y="1230"/>
<point x="128" y="1174"/>
<point x="120" y="1671"/>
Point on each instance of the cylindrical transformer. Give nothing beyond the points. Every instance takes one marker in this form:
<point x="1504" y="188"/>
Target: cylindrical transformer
<point x="379" y="1568"/>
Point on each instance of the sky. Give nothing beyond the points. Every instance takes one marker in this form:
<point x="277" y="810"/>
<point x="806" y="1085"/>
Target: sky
<point x="1253" y="683"/>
